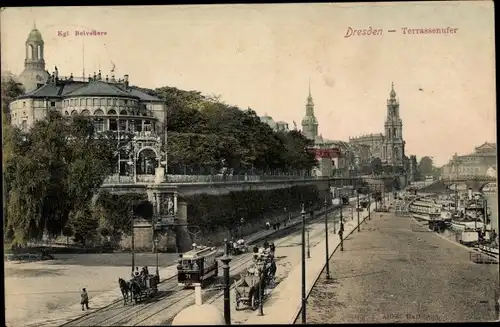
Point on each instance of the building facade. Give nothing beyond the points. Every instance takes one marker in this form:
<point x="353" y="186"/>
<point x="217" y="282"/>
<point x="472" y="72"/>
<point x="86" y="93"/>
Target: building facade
<point x="480" y="163"/>
<point x="279" y="126"/>
<point x="112" y="105"/>
<point x="389" y="147"/>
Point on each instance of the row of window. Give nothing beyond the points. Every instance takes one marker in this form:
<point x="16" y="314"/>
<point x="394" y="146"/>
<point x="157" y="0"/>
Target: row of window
<point x="99" y="102"/>
<point x="99" y="112"/>
<point x="123" y="125"/>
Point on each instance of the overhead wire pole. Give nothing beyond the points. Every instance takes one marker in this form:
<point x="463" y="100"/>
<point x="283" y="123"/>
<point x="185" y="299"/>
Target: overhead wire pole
<point x="118" y="144"/>
<point x="327" y="252"/>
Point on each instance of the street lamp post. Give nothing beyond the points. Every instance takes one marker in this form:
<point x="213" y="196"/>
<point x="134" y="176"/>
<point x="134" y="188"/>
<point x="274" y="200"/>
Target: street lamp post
<point x="157" y="261"/>
<point x="303" y="286"/>
<point x="327" y="252"/>
<point x="308" y="246"/>
<point x="369" y="207"/>
<point x="261" y="291"/>
<point x="341" y="235"/>
<point x="357" y="208"/>
<point x="133" y="239"/>
<point x="227" y="302"/>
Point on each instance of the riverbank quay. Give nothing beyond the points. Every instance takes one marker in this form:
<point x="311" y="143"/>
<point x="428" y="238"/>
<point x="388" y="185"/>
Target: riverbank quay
<point x="284" y="302"/>
<point x="73" y="311"/>
<point x="398" y="271"/>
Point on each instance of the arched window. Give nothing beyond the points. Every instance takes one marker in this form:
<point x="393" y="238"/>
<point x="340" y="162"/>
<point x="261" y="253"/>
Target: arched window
<point x="30" y="52"/>
<point x="123" y="112"/>
<point x="39" y="52"/>
<point x="85" y="112"/>
<point x="131" y="125"/>
<point x="99" y="124"/>
<point x="74" y="113"/>
<point x="111" y="112"/>
<point x="66" y="113"/>
<point x="98" y="112"/>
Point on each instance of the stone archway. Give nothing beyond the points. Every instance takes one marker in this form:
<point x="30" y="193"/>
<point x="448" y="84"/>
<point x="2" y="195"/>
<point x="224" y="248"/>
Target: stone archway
<point x="146" y="161"/>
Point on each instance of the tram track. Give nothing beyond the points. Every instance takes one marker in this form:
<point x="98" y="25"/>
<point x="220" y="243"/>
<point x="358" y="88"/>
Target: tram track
<point x="172" y="299"/>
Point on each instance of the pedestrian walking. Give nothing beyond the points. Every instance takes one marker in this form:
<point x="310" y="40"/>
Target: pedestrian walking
<point x="85" y="299"/>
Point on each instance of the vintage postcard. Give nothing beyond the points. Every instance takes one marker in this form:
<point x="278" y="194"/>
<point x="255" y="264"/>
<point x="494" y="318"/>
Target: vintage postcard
<point x="250" y="164"/>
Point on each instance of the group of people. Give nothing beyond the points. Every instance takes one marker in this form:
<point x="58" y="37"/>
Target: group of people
<point x="265" y="251"/>
<point x="140" y="275"/>
<point x="276" y="225"/>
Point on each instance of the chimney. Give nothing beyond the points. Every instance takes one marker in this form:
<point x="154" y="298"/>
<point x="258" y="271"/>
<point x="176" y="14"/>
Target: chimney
<point x="71" y="77"/>
<point x="99" y="76"/>
<point x="90" y="78"/>
<point x="125" y="80"/>
<point x="107" y="79"/>
<point x="95" y="76"/>
<point x="113" y="78"/>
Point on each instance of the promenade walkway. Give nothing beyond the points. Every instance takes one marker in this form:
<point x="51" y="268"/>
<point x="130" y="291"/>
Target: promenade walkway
<point x="283" y="304"/>
<point x="397" y="271"/>
<point x="72" y="312"/>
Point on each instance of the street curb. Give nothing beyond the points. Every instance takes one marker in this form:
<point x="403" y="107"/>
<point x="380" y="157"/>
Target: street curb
<point x="316" y="278"/>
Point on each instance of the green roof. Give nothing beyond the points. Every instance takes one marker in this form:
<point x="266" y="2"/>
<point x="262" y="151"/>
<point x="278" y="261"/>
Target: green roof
<point x="100" y="88"/>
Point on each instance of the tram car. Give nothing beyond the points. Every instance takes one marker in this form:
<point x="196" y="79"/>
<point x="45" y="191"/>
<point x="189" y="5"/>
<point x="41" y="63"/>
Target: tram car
<point x="197" y="266"/>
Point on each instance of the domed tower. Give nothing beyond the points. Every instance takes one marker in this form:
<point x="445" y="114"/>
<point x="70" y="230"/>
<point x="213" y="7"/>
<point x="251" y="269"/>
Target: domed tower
<point x="394" y="145"/>
<point x="34" y="73"/>
<point x="310" y="123"/>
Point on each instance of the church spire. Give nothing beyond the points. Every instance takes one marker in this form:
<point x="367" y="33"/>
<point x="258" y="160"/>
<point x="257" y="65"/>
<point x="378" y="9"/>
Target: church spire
<point x="310" y="87"/>
<point x="393" y="93"/>
<point x="310" y="102"/>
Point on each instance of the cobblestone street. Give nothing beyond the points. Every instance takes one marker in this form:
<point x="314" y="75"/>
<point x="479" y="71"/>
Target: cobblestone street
<point x="397" y="271"/>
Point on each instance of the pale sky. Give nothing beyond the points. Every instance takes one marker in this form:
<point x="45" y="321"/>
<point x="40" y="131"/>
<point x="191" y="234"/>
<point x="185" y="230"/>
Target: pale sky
<point x="262" y="56"/>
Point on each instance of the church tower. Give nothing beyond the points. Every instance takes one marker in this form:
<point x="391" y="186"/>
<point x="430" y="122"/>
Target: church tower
<point x="394" y="145"/>
<point x="310" y="123"/>
<point x="34" y="73"/>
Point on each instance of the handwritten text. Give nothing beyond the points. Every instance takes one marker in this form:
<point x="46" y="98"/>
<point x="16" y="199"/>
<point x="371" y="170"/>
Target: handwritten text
<point x="363" y="32"/>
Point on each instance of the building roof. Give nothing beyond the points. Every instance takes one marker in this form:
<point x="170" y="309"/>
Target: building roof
<point x="93" y="88"/>
<point x="142" y="95"/>
<point x="35" y="36"/>
<point x="487" y="146"/>
<point x="53" y="90"/>
<point x="100" y="88"/>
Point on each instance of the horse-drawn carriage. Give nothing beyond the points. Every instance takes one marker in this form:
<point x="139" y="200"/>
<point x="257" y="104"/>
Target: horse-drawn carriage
<point x="139" y="287"/>
<point x="238" y="247"/>
<point x="254" y="280"/>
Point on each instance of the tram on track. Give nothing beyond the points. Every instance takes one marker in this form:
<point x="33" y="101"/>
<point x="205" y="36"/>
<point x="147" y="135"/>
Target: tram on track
<point x="197" y="266"/>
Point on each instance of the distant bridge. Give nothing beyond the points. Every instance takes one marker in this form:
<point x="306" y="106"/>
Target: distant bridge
<point x="476" y="183"/>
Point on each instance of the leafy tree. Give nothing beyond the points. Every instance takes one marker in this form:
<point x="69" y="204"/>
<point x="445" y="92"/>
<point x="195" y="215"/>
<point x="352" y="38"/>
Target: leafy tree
<point x="206" y="135"/>
<point x="376" y="166"/>
<point x="10" y="91"/>
<point x="85" y="225"/>
<point x="425" y="166"/>
<point x="53" y="171"/>
<point x="68" y="232"/>
<point x="104" y="232"/>
<point x="10" y="139"/>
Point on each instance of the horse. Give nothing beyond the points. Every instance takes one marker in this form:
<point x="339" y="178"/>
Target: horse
<point x="126" y="290"/>
<point x="135" y="289"/>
